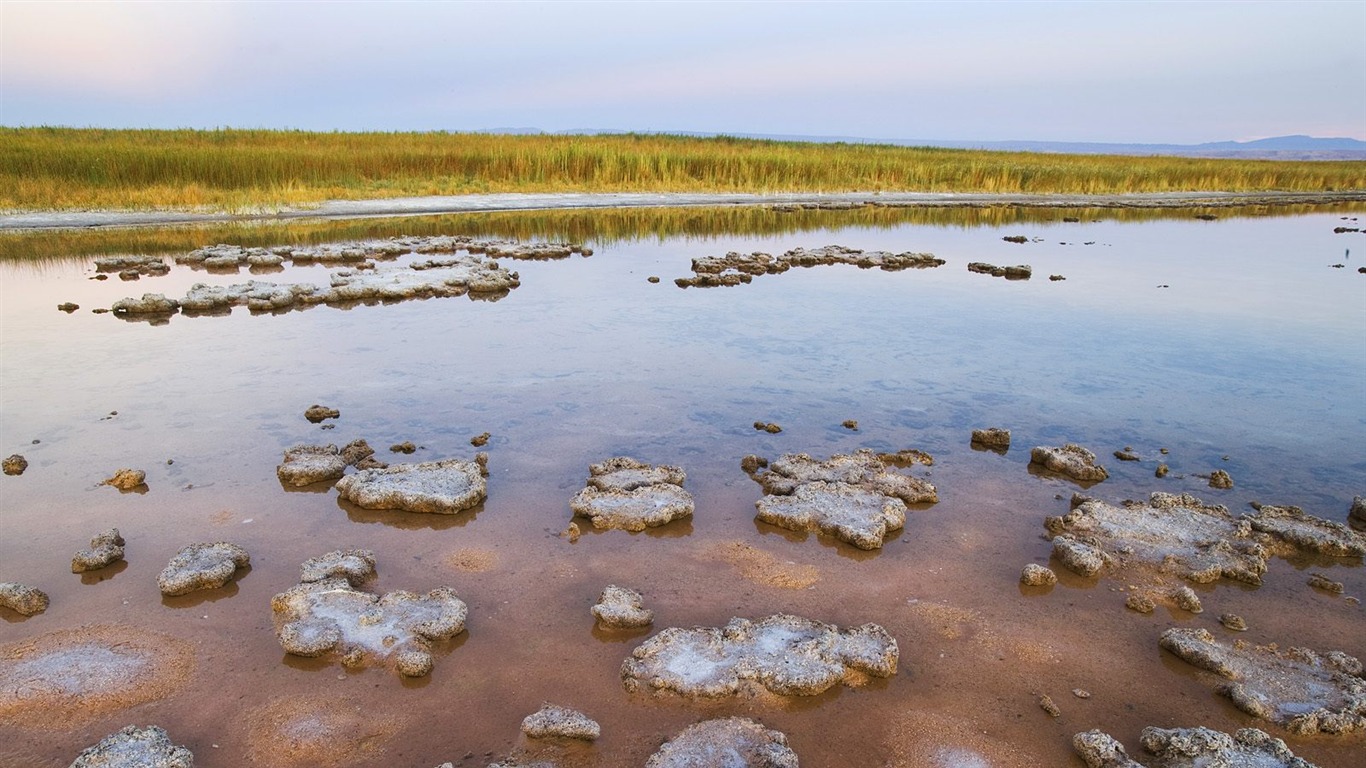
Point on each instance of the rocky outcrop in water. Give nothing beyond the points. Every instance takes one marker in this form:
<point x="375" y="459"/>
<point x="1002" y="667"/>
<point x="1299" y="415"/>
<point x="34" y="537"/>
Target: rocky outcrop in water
<point x="1300" y="689"/>
<point x="308" y="464"/>
<point x="1018" y="272"/>
<point x="105" y="550"/>
<point x="1356" y="514"/>
<point x="1071" y="460"/>
<point x="231" y="257"/>
<point x="1296" y="531"/>
<point x="629" y="495"/>
<point x="737" y="268"/>
<point x="357" y="566"/>
<point x="1189" y="748"/>
<point x="134" y="747"/>
<point x="316" y="413"/>
<point x="127" y="479"/>
<point x="435" y="487"/>
<point x="787" y="655"/>
<point x="622" y="608"/>
<point x="14" y="465"/>
<point x="992" y="437"/>
<point x="552" y="721"/>
<point x="22" y="599"/>
<point x="732" y="742"/>
<point x="202" y="566"/>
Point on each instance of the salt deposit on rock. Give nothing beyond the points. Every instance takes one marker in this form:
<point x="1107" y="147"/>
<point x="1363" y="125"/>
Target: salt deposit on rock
<point x="134" y="747"/>
<point x="1190" y="748"/>
<point x="626" y="494"/>
<point x="1305" y="691"/>
<point x="437" y="487"/>
<point x="554" y="721"/>
<point x="1296" y="531"/>
<point x="202" y="566"/>
<point x="860" y="468"/>
<point x="105" y="549"/>
<point x="621" y="608"/>
<point x="732" y="742"/>
<point x="788" y="655"/>
<point x="22" y="599"/>
<point x="331" y="616"/>
<point x="127" y="479"/>
<point x="1071" y="460"/>
<point x="736" y="268"/>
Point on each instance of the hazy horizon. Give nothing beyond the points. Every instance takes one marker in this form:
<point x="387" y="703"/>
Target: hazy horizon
<point x="1133" y="73"/>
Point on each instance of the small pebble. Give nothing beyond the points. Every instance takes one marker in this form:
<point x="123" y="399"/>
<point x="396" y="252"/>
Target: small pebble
<point x="1140" y="603"/>
<point x="1234" y="622"/>
<point x="1081" y="693"/>
<point x="478" y="441"/>
<point x="1186" y="599"/>
<point x="653" y="278"/>
<point x="1319" y="581"/>
<point x="1047" y="705"/>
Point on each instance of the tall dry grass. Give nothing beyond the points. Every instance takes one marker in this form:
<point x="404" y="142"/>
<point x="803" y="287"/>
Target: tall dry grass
<point x="68" y="168"/>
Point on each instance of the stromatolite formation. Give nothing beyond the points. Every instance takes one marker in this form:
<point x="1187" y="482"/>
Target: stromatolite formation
<point x="202" y="566"/>
<point x="134" y="747"/>
<point x="555" y="721"/>
<point x="105" y="549"/>
<point x="436" y="487"/>
<point x="1356" y="514"/>
<point x="127" y="479"/>
<point x="1303" y="690"/>
<point x="992" y="437"/>
<point x="1298" y="531"/>
<point x="14" y="464"/>
<point x="854" y="497"/>
<point x="1017" y="272"/>
<point x="737" y="268"/>
<point x="621" y="608"/>
<point x="357" y="566"/>
<point x="1035" y="575"/>
<point x="22" y="598"/>
<point x="732" y="742"/>
<point x="1189" y="748"/>
<point x="316" y="413"/>
<point x="308" y="464"/>
<point x="315" y="618"/>
<point x="1172" y="534"/>
<point x="788" y="655"/>
<point x="625" y="494"/>
<point x="1071" y="460"/>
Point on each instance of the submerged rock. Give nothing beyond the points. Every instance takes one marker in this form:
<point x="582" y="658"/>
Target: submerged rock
<point x="1233" y="621"/>
<point x="105" y="549"/>
<point x="1071" y="460"/>
<point x="732" y="742"/>
<point x="1190" y="748"/>
<point x="1305" y="691"/>
<point x="134" y="747"/>
<point x="1170" y="534"/>
<point x="738" y="268"/>
<point x="621" y="608"/>
<point x="357" y="566"/>
<point x="1220" y="479"/>
<point x="553" y="721"/>
<point x="202" y="566"/>
<point x="788" y="655"/>
<point x="1295" y="530"/>
<point x="436" y="487"/>
<point x="22" y="599"/>
<point x="316" y="413"/>
<point x="127" y="479"/>
<point x="625" y="494"/>
<point x="1035" y="575"/>
<point x="320" y="617"/>
<point x="992" y="437"/>
<point x="14" y="465"/>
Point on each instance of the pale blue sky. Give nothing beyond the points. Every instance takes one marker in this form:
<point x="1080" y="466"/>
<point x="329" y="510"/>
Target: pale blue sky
<point x="1181" y="72"/>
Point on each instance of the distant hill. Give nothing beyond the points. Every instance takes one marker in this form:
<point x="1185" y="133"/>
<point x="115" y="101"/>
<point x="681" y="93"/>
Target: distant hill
<point x="1297" y="147"/>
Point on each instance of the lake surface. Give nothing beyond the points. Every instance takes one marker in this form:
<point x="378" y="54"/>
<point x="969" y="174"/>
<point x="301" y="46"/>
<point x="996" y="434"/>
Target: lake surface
<point x="1232" y="343"/>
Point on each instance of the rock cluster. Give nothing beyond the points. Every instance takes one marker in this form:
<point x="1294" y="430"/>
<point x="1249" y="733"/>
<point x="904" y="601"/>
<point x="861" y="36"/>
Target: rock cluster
<point x="134" y="747"/>
<point x="737" y="268"/>
<point x="132" y="267"/>
<point x="202" y="566"/>
<point x="788" y="655"/>
<point x="436" y="487"/>
<point x="1297" y="531"/>
<point x="1189" y="748"/>
<point x="625" y="494"/>
<point x="732" y="742"/>
<point x="105" y="550"/>
<point x="1018" y="272"/>
<point x="854" y="497"/>
<point x="233" y="257"/>
<point x="308" y="464"/>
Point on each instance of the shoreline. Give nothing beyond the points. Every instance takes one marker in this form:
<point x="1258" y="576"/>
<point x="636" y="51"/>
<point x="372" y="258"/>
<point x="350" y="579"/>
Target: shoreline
<point x="449" y="204"/>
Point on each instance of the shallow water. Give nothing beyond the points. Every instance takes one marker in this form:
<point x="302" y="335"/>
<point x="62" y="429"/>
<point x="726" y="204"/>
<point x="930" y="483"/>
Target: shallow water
<point x="1253" y="360"/>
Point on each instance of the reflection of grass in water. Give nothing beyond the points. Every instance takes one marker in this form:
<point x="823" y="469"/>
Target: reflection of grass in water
<point x="599" y="225"/>
<point x="45" y="168"/>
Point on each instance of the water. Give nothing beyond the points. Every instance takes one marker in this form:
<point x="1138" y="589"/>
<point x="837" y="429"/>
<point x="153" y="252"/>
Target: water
<point x="1253" y="360"/>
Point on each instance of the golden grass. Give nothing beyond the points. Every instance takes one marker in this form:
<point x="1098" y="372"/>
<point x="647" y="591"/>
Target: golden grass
<point x="68" y="168"/>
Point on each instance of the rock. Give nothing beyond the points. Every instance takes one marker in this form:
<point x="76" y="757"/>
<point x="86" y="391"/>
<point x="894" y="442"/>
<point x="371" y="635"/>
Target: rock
<point x="149" y="304"/>
<point x="1071" y="460"/>
<point x="68" y="307"/>
<point x="1015" y="239"/>
<point x="14" y="465"/>
<point x="1172" y="535"/>
<point x="22" y="599"/>
<point x="906" y="458"/>
<point x="1127" y="455"/>
<point x="1081" y="693"/>
<point x="1047" y="705"/>
<point x="202" y="566"/>
<point x="733" y="742"/>
<point x="1356" y="515"/>
<point x="625" y="494"/>
<point x="127" y="479"/>
<point x="331" y="616"/>
<point x="621" y="608"/>
<point x="1140" y="603"/>
<point x="1297" y="532"/>
<point x="1190" y="748"/>
<point x="437" y="487"/>
<point x="652" y="279"/>
<point x="105" y="550"/>
<point x="788" y="655"/>
<point x="769" y="427"/>
<point x="553" y="721"/>
<point x="1161" y="470"/>
<point x="850" y="424"/>
<point x="404" y="447"/>
<point x="862" y="468"/>
<point x="1035" y="575"/>
<point x="308" y="464"/>
<point x="1305" y="691"/>
<point x="134" y="747"/>
<point x="738" y="268"/>
<point x="480" y="440"/>
<point x="1220" y="479"/>
<point x="992" y="438"/>
<point x="357" y="566"/>
<point x="1056" y="278"/>
<point x="571" y="532"/>
<point x="1186" y="599"/>
<point x="356" y="452"/>
<point x="316" y="413"/>
<point x="1319" y="581"/>
<point x="1018" y="272"/>
<point x="850" y="513"/>
<point x="1233" y="621"/>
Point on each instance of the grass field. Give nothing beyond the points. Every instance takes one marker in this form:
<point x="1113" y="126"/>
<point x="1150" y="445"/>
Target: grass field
<point x="243" y="170"/>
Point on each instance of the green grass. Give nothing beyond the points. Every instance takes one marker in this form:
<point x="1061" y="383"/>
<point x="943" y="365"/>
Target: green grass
<point x="67" y="168"/>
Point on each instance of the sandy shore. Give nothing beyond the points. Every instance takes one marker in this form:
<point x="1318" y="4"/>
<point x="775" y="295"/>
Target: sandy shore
<point x="417" y="206"/>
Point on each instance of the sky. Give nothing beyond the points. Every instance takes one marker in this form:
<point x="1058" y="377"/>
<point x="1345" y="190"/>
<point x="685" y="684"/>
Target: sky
<point x="1133" y="72"/>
